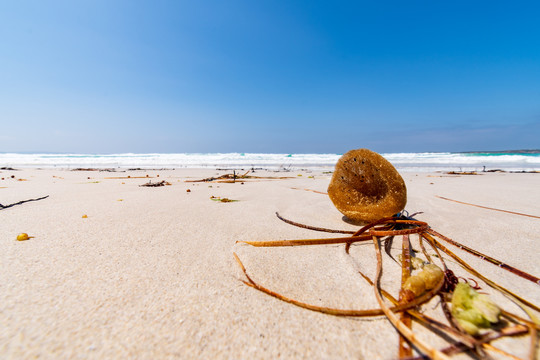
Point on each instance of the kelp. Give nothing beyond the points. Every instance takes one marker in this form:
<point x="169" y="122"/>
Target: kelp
<point x="2" y="207"/>
<point x="486" y="207"/>
<point x="223" y="200"/>
<point x="403" y="311"/>
<point x="156" y="184"/>
<point x="232" y="178"/>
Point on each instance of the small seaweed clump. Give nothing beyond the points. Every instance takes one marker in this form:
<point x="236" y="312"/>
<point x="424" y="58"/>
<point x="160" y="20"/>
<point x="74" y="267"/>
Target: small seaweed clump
<point x="223" y="200"/>
<point x="473" y="311"/>
<point x="426" y="279"/>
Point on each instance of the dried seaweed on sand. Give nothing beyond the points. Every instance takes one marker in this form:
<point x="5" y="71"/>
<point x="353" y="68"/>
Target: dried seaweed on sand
<point x="459" y="341"/>
<point x="472" y="322"/>
<point x="22" y="202"/>
<point x="156" y="184"/>
<point x="231" y="178"/>
<point x="223" y="200"/>
<point x="486" y="207"/>
<point x="462" y="173"/>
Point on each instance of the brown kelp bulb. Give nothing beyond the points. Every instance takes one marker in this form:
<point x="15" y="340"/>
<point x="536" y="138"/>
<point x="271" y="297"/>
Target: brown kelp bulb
<point x="365" y="187"/>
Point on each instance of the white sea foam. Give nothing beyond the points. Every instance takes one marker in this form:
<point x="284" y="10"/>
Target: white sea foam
<point x="402" y="161"/>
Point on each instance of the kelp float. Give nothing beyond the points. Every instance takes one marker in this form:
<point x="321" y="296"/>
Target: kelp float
<point x="367" y="188"/>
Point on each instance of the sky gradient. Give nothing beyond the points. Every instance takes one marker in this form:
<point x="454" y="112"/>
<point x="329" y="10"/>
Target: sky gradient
<point x="268" y="76"/>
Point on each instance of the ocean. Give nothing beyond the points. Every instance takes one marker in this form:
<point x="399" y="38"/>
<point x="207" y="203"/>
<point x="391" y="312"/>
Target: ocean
<point x="412" y="162"/>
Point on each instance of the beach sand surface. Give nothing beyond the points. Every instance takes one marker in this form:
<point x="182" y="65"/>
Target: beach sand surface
<point x="150" y="272"/>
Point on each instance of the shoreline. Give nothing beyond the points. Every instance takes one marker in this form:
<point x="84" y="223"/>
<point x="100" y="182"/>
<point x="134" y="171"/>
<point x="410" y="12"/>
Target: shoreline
<point x="524" y="160"/>
<point x="457" y="170"/>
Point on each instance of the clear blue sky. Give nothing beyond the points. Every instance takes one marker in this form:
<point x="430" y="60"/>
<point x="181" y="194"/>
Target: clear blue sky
<point x="279" y="76"/>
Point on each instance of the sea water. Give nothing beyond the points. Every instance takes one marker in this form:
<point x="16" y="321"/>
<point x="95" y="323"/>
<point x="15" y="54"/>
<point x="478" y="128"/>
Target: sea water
<point x="434" y="161"/>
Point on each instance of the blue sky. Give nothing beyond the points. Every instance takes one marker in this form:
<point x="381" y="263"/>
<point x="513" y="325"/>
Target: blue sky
<point x="268" y="76"/>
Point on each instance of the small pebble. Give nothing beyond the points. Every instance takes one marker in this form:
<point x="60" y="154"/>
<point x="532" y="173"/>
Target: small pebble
<point x="23" y="236"/>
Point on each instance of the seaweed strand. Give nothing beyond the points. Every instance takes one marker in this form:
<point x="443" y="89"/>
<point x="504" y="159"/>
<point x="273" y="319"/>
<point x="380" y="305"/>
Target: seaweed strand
<point x="2" y="207"/>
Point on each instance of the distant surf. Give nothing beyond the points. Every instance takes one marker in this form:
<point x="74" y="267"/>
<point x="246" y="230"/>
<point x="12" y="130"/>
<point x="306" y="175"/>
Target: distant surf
<point x="519" y="160"/>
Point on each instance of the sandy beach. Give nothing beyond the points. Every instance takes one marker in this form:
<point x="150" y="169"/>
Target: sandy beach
<point x="150" y="272"/>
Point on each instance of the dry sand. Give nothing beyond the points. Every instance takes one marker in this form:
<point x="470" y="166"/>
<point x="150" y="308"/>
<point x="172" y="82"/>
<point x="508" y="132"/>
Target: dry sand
<point x="150" y="273"/>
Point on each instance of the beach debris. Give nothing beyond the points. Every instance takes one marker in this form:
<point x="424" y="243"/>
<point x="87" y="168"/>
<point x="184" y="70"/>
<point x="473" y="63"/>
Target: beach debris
<point x="462" y="173"/>
<point x="188" y="190"/>
<point x="21" y="202"/>
<point x="415" y="262"/>
<point x="365" y="187"/>
<point x="473" y="311"/>
<point x="485" y="207"/>
<point x="223" y="200"/>
<point x="157" y="184"/>
<point x="85" y="216"/>
<point x="127" y="177"/>
<point x="23" y="237"/>
<point x="315" y="191"/>
<point x="493" y="170"/>
<point x="418" y="287"/>
<point x="226" y="178"/>
<point x="426" y="279"/>
<point x="231" y="178"/>
<point x="95" y="169"/>
<point x="472" y="315"/>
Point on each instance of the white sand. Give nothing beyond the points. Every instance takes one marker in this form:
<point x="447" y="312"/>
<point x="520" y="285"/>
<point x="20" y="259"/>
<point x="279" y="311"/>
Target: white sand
<point x="153" y="276"/>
